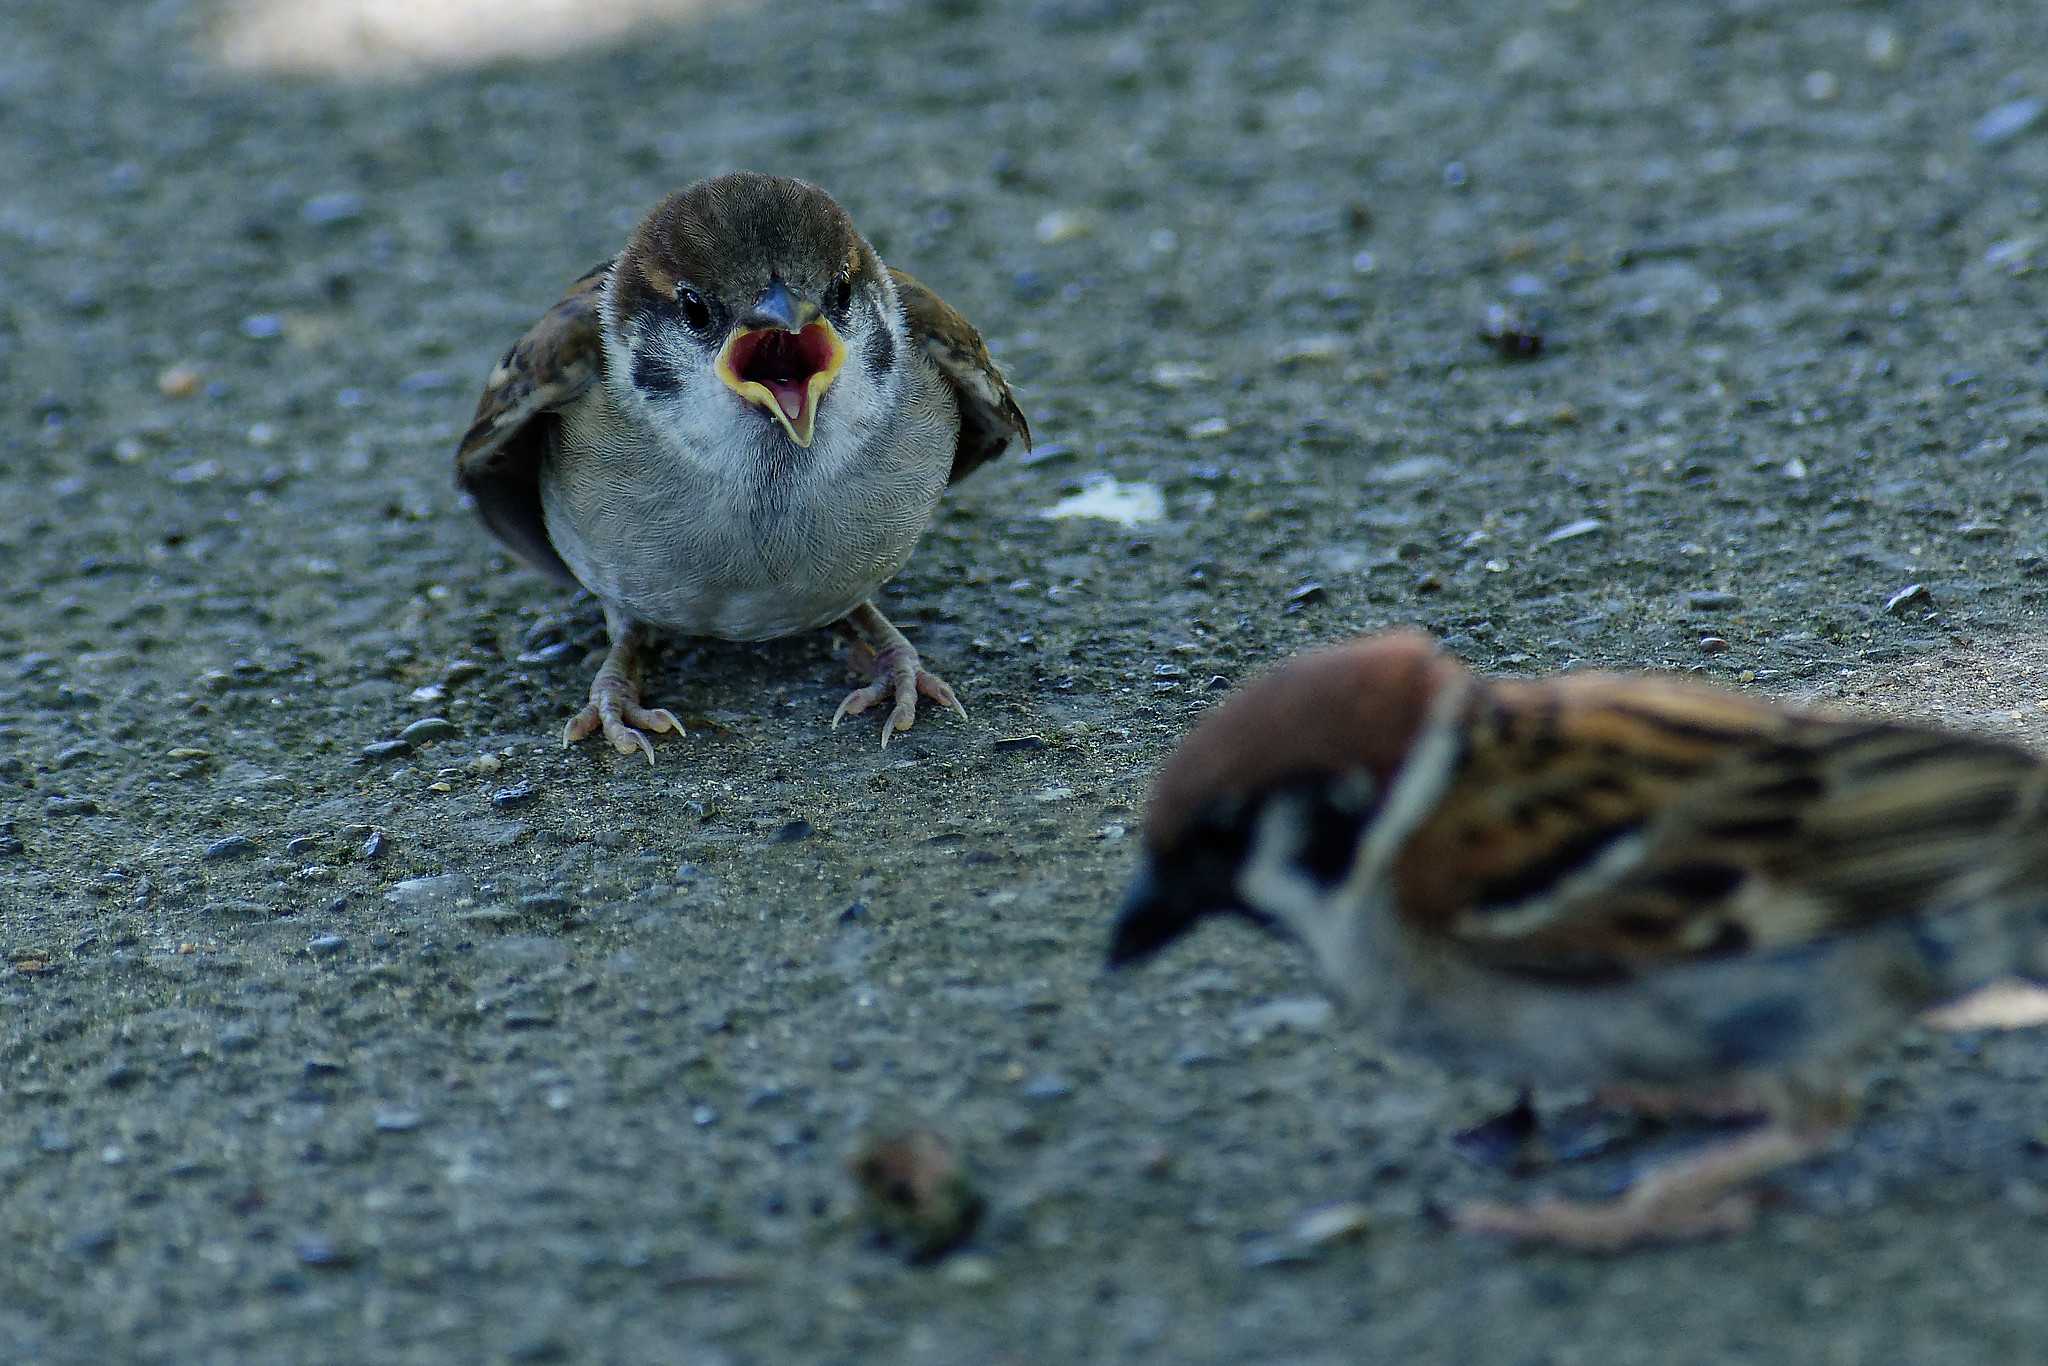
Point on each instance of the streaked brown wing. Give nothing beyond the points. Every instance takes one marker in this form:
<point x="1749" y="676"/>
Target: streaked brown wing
<point x="989" y="416"/>
<point x="499" y="460"/>
<point x="1615" y="825"/>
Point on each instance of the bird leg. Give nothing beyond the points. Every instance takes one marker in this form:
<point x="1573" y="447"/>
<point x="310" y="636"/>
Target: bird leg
<point x="880" y="650"/>
<point x="1699" y="1196"/>
<point x="614" y="704"/>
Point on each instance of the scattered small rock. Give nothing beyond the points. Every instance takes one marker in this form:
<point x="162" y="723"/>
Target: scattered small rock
<point x="332" y="209"/>
<point x="59" y="807"/>
<point x="1010" y="744"/>
<point x="231" y="847"/>
<point x="790" y="833"/>
<point x="1572" y="531"/>
<point x="1305" y="595"/>
<point x="378" y="751"/>
<point x="1712" y="600"/>
<point x="1912" y="595"/>
<point x="2006" y="122"/>
<point x="318" y="1250"/>
<point x="180" y="381"/>
<point x="916" y="1191"/>
<point x="1510" y="333"/>
<point x="512" y="798"/>
<point x="426" y="730"/>
<point x="1713" y="645"/>
<point x="1046" y="1086"/>
<point x="396" y="1120"/>
<point x="325" y="945"/>
<point x="426" y="891"/>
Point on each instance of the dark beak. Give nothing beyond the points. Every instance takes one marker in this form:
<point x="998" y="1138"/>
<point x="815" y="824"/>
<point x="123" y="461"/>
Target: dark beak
<point x="777" y="307"/>
<point x="1149" y="921"/>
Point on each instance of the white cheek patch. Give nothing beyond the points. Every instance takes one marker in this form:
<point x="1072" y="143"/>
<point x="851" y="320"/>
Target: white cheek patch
<point x="1270" y="880"/>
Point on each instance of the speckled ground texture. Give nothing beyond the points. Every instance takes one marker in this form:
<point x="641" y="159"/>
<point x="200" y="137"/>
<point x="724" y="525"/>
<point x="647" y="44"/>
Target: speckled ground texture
<point x="490" y="1051"/>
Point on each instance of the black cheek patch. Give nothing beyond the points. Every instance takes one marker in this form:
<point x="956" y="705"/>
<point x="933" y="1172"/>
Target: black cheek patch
<point x="653" y="373"/>
<point x="881" y="357"/>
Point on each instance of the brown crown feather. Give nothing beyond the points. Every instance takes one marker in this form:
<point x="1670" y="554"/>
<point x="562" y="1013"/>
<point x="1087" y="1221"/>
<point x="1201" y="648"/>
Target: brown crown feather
<point x="1354" y="706"/>
<point x="731" y="234"/>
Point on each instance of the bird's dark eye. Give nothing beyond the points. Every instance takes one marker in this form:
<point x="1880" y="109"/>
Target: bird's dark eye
<point x="839" y="296"/>
<point x="696" y="312"/>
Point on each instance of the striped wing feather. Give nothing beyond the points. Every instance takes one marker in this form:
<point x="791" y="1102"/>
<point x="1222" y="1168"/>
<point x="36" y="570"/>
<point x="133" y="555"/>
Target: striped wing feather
<point x="1601" y="826"/>
<point x="499" y="460"/>
<point x="989" y="416"/>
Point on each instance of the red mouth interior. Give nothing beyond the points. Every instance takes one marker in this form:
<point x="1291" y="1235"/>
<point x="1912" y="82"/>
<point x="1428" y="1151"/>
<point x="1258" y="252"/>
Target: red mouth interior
<point x="783" y="363"/>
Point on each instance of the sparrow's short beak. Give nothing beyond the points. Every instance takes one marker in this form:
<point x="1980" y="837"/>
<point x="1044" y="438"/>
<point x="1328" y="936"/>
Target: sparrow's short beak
<point x="783" y="354"/>
<point x="1149" y="921"/>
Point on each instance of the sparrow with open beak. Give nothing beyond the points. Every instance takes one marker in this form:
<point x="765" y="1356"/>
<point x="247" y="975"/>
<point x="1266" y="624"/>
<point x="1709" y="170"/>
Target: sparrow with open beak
<point x="738" y="427"/>
<point x="1686" y="897"/>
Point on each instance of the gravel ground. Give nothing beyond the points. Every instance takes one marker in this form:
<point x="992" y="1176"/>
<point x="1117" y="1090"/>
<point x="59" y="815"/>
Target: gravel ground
<point x="474" y="1049"/>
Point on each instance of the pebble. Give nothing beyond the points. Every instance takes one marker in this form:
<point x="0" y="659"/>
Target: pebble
<point x="793" y="831"/>
<point x="1912" y="595"/>
<point x="379" y="750"/>
<point x="426" y="891"/>
<point x="186" y="752"/>
<point x="332" y="209"/>
<point x="1331" y="1224"/>
<point x="2006" y="122"/>
<point x="1063" y="225"/>
<point x="1011" y="744"/>
<point x="1316" y="349"/>
<point x="512" y="798"/>
<point x="262" y="326"/>
<point x="1301" y="1014"/>
<point x="179" y="381"/>
<point x="231" y="847"/>
<point x="1572" y="531"/>
<point x="317" y="1250"/>
<point x="373" y="847"/>
<point x="1713" y="645"/>
<point x="1305" y="595"/>
<point x="1046" y="1086"/>
<point x="970" y="1271"/>
<point x="1712" y="601"/>
<point x="71" y="806"/>
<point x="396" y="1120"/>
<point x="1510" y="333"/>
<point x="426" y="729"/>
<point x="325" y="945"/>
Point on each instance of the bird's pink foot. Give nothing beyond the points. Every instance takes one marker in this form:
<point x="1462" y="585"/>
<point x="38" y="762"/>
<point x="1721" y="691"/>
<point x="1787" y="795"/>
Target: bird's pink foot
<point x="1608" y="1226"/>
<point x="1700" y="1196"/>
<point x="615" y="709"/>
<point x="900" y="677"/>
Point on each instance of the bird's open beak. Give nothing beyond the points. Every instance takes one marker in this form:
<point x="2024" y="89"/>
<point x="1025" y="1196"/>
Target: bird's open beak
<point x="783" y="354"/>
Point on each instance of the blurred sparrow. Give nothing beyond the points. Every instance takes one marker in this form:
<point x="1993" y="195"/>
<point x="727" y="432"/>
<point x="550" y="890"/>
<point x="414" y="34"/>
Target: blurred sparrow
<point x="738" y="427"/>
<point x="1693" y="899"/>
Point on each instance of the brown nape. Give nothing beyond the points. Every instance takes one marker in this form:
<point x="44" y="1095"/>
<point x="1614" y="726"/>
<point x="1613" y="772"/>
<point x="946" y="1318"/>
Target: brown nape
<point x="1347" y="707"/>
